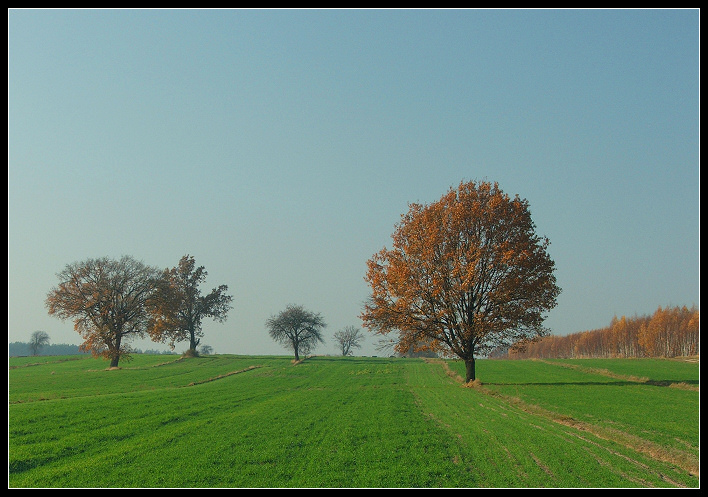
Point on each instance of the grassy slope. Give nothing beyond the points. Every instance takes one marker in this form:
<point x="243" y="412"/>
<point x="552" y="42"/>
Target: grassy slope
<point x="327" y="422"/>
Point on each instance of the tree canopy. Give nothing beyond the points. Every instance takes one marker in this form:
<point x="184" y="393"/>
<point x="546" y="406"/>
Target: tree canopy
<point x="668" y="332"/>
<point x="297" y="328"/>
<point x="348" y="338"/>
<point x="108" y="300"/>
<point x="38" y="340"/>
<point x="179" y="307"/>
<point x="466" y="274"/>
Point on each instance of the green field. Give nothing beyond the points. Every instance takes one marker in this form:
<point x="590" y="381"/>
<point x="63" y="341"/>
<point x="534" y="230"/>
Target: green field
<point x="247" y="421"/>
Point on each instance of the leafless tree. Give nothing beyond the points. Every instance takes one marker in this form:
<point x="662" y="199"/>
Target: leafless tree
<point x="348" y="338"/>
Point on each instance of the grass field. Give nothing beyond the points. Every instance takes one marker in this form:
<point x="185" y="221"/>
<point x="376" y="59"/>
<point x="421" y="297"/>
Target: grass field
<point x="247" y="421"/>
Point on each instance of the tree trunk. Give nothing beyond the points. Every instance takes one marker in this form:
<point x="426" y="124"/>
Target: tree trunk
<point x="469" y="370"/>
<point x="193" y="340"/>
<point x="116" y="357"/>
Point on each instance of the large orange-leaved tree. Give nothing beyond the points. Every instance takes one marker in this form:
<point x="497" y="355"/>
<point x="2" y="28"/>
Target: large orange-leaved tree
<point x="109" y="302"/>
<point x="465" y="275"/>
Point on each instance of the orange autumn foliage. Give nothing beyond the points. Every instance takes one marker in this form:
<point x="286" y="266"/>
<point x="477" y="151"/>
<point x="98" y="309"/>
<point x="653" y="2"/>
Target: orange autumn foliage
<point x="178" y="307"/>
<point x="465" y="274"/>
<point x="668" y="332"/>
<point x="108" y="301"/>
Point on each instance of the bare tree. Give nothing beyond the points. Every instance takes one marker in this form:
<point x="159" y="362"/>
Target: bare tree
<point x="38" y="340"/>
<point x="296" y="328"/>
<point x="348" y="338"/>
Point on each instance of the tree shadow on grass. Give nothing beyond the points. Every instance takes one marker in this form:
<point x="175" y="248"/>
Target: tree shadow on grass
<point x="618" y="383"/>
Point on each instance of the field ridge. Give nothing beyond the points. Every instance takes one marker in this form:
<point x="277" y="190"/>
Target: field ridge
<point x="222" y="376"/>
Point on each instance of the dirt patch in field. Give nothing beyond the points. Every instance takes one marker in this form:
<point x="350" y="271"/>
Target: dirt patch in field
<point x="249" y="368"/>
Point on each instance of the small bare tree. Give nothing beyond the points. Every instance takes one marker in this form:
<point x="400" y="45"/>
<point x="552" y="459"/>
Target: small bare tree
<point x="348" y="338"/>
<point x="38" y="340"/>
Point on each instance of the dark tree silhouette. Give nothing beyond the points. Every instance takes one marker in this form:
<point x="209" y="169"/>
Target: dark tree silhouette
<point x="296" y="328"/>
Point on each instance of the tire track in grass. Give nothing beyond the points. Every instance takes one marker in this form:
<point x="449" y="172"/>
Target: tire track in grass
<point x="221" y="376"/>
<point x="569" y="438"/>
<point x="191" y="384"/>
<point x="493" y="452"/>
<point x="566" y="437"/>
<point x="683" y="460"/>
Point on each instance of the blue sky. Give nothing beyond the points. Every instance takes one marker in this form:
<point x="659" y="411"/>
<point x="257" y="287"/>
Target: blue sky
<point x="280" y="147"/>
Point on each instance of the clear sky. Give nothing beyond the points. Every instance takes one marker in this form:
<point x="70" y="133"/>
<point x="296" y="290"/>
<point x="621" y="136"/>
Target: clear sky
<point x="280" y="148"/>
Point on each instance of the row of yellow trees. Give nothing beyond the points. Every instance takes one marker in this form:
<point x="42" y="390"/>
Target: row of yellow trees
<point x="669" y="332"/>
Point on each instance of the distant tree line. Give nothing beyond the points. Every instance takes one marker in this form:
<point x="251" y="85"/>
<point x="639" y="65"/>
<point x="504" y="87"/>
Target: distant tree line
<point x="18" y="349"/>
<point x="22" y="349"/>
<point x="669" y="332"/>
